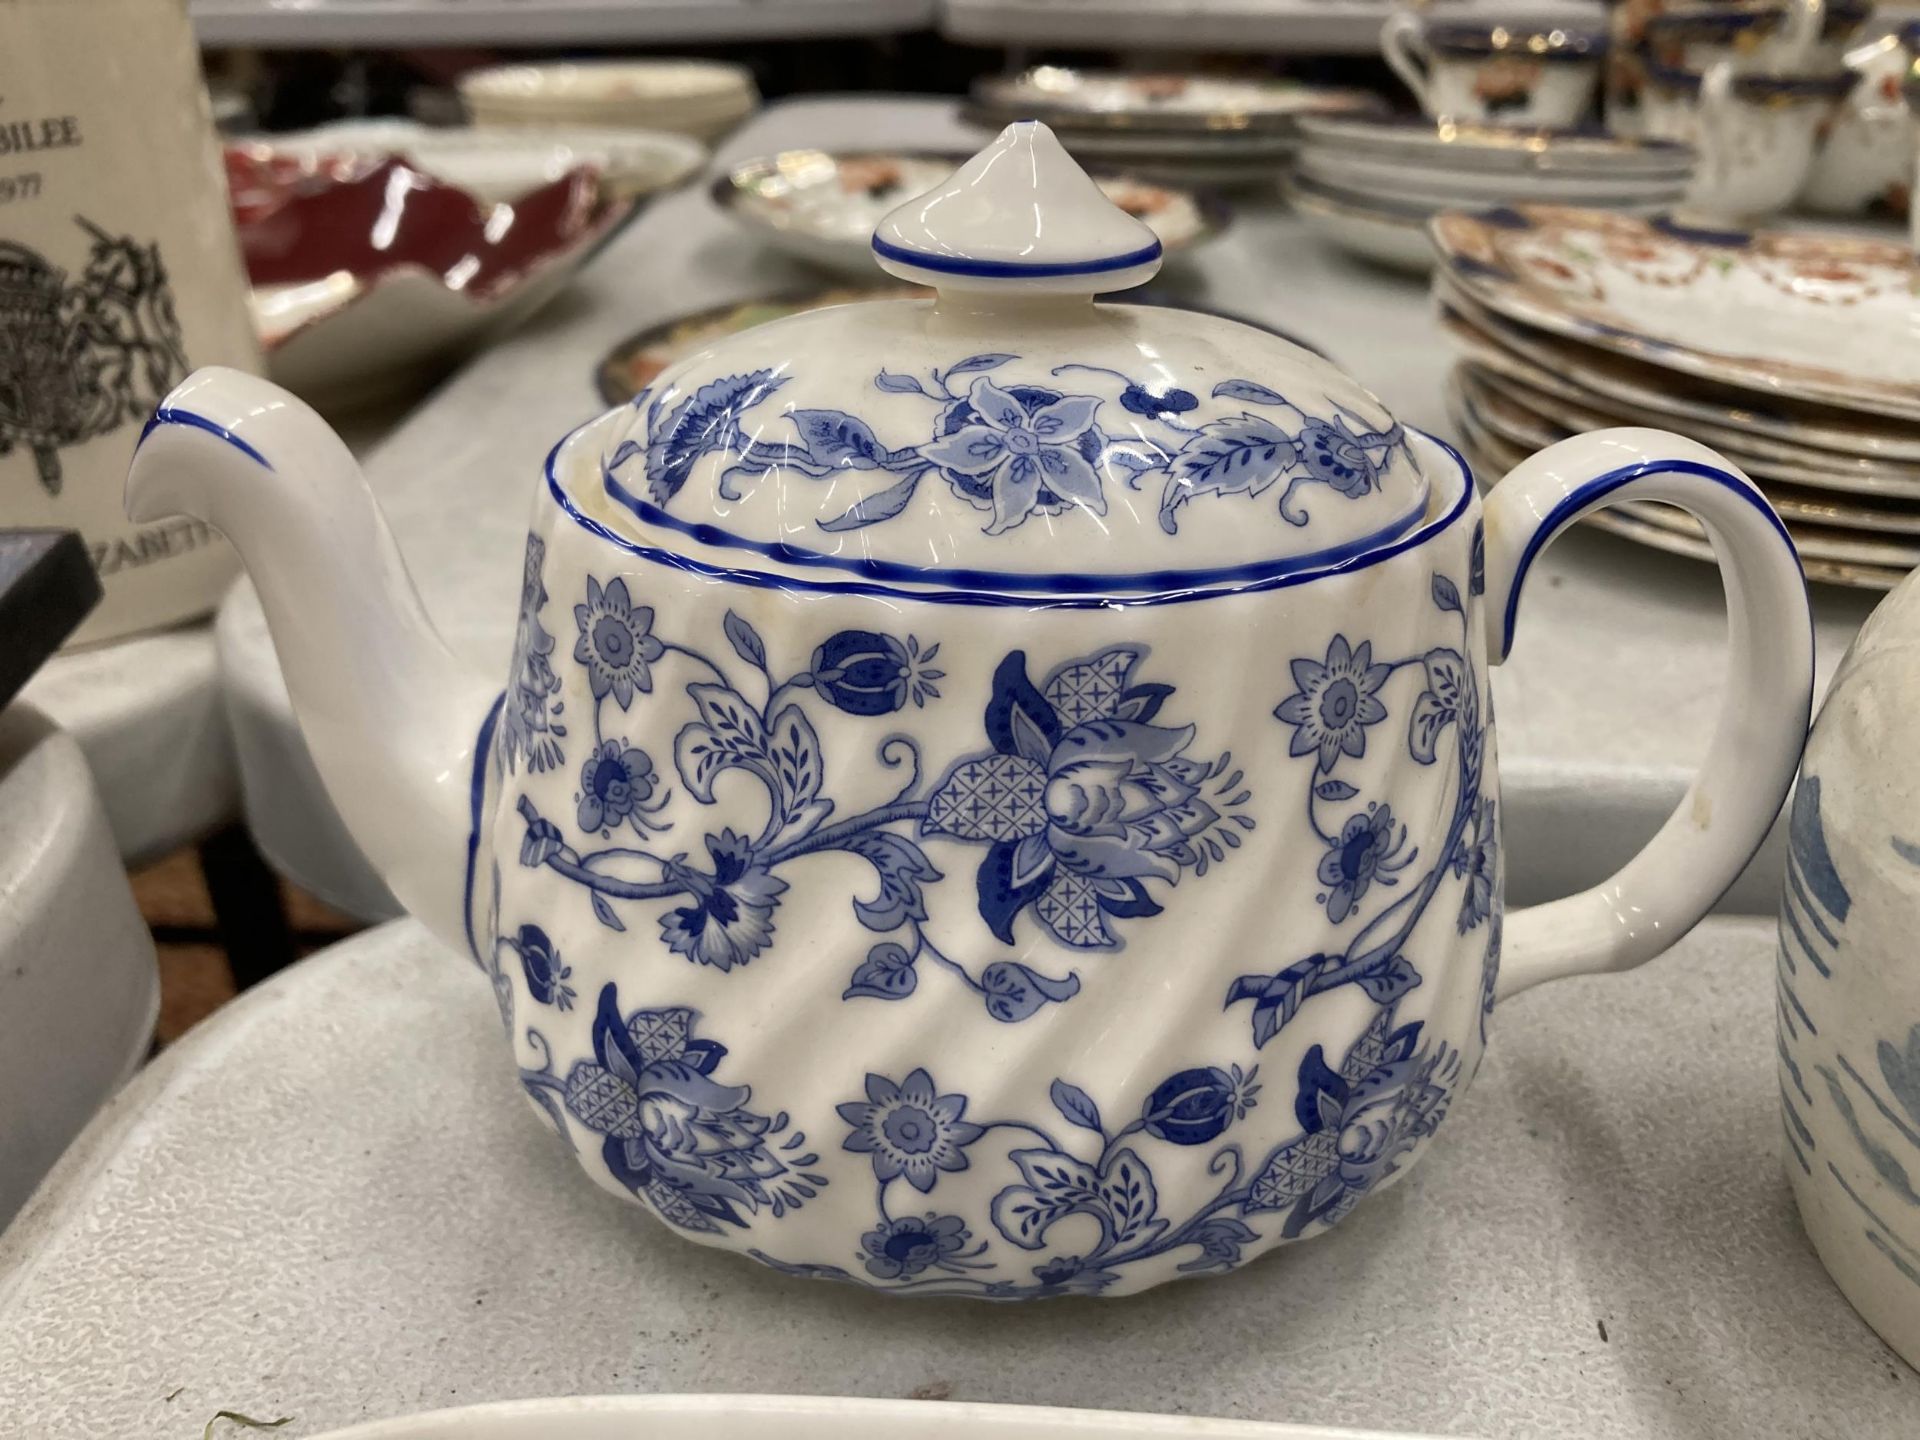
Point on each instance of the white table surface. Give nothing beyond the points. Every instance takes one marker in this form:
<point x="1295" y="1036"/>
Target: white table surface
<point x="79" y="984"/>
<point x="330" y="1202"/>
<point x="1605" y="706"/>
<point x="147" y="712"/>
<point x="296" y="24"/>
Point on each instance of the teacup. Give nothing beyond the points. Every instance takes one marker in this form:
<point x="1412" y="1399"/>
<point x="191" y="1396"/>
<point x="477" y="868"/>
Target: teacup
<point x="1806" y="37"/>
<point x="1755" y="134"/>
<point x="1518" y="74"/>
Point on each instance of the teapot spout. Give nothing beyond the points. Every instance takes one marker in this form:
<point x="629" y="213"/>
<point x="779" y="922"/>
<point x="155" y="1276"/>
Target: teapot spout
<point x="391" y="716"/>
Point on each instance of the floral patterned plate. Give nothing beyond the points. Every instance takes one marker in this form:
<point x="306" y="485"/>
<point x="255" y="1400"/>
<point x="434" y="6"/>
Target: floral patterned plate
<point x="1492" y="457"/>
<point x="1546" y="395"/>
<point x="1854" y="441"/>
<point x="822" y="206"/>
<point x="1532" y="422"/>
<point x="1813" y="315"/>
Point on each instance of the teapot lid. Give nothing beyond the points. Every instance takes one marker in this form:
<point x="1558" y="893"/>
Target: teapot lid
<point x="1011" y="433"/>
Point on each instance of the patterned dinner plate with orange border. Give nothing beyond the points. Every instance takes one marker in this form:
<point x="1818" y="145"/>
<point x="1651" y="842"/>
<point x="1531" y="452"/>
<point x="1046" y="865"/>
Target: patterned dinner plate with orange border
<point x="1810" y="314"/>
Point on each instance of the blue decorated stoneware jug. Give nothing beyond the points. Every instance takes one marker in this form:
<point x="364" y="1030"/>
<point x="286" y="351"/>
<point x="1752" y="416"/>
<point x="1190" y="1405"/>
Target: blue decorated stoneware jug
<point x="993" y="796"/>
<point x="1848" y="990"/>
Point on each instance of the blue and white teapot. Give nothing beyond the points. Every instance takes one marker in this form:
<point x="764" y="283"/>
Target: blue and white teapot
<point x="994" y="796"/>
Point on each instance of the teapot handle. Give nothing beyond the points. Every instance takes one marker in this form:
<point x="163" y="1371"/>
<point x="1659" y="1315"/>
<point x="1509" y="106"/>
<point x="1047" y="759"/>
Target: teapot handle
<point x="1726" y="813"/>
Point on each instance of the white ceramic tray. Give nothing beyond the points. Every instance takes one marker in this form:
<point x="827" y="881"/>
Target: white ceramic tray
<point x="790" y="1417"/>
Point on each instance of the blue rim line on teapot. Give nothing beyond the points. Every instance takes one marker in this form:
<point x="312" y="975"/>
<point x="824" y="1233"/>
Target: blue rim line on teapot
<point x="1761" y="87"/>
<point x="1595" y="492"/>
<point x="1277" y="575"/>
<point x="1012" y="582"/>
<point x="476" y="811"/>
<point x="1015" y="269"/>
<point x="169" y="415"/>
<point x="1550" y="43"/>
<point x="1707" y="22"/>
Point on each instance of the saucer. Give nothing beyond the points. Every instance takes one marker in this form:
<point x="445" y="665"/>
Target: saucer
<point x="1454" y="187"/>
<point x="1818" y="316"/>
<point x="1388" y="232"/>
<point x="1456" y="145"/>
<point x="822" y="206"/>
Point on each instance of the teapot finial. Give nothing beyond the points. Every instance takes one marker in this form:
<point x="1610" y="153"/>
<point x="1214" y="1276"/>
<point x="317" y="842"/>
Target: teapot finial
<point x="1019" y="216"/>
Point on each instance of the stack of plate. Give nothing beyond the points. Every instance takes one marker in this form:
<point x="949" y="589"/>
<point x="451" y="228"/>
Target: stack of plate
<point x="1792" y="353"/>
<point x="701" y="98"/>
<point x="1189" y="129"/>
<point x="1369" y="184"/>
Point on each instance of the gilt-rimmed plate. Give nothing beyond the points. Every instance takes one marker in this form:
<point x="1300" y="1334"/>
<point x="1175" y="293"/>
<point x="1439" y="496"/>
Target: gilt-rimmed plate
<point x="1462" y="145"/>
<point x="1166" y="103"/>
<point x="823" y="205"/>
<point x="1849" y="439"/>
<point x="1548" y="393"/>
<point x="1518" y="426"/>
<point x="1518" y="423"/>
<point x="1815" y="315"/>
<point x="1492" y="456"/>
<point x="1439" y="185"/>
<point x="1533" y="421"/>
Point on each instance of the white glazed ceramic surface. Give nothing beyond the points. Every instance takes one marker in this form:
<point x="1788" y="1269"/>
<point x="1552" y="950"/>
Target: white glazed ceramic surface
<point x="1493" y="73"/>
<point x="502" y="164"/>
<point x="1755" y="142"/>
<point x="1815" y="316"/>
<point x="1849" y="995"/>
<point x="783" y="1417"/>
<point x="822" y="207"/>
<point x="1866" y="155"/>
<point x="995" y="797"/>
